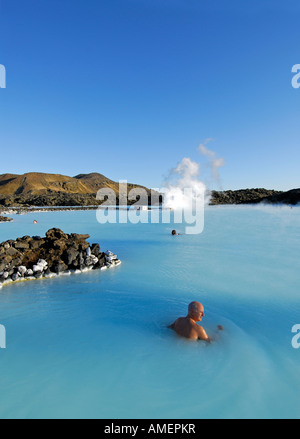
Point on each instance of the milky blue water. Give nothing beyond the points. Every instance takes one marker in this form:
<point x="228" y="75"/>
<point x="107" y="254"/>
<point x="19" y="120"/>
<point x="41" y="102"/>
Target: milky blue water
<point x="96" y="344"/>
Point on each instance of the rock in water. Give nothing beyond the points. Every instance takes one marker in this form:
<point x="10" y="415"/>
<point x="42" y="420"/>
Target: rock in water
<point x="56" y="253"/>
<point x="5" y="219"/>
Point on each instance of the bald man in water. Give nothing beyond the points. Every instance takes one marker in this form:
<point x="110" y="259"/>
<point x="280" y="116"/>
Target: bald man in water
<point x="187" y="326"/>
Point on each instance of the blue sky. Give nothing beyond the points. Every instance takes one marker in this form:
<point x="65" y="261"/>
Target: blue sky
<point x="128" y="88"/>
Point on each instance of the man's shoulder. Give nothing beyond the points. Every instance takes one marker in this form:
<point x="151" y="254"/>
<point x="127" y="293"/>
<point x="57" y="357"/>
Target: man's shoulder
<point x="202" y="333"/>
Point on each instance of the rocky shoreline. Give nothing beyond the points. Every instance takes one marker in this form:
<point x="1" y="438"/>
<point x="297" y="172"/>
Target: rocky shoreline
<point x="35" y="189"/>
<point x="10" y="205"/>
<point x="5" y="219"/>
<point x="73" y="202"/>
<point x="57" y="253"/>
<point x="255" y="196"/>
<point x="24" y="210"/>
<point x="57" y="199"/>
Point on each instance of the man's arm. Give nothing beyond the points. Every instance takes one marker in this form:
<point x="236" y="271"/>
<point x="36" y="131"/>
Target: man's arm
<point x="205" y="337"/>
<point x="202" y="334"/>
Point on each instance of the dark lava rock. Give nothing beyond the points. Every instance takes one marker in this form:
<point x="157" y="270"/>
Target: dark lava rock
<point x="70" y="255"/>
<point x="15" y="276"/>
<point x="291" y="197"/>
<point x="5" y="219"/>
<point x="60" y="267"/>
<point x="11" y="251"/>
<point x="36" y="243"/>
<point x="21" y="245"/>
<point x="255" y="196"/>
<point x="56" y="234"/>
<point x="95" y="248"/>
<point x="57" y="252"/>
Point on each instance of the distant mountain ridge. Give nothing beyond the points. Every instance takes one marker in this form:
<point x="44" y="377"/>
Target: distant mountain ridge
<point x="40" y="189"/>
<point x="36" y="183"/>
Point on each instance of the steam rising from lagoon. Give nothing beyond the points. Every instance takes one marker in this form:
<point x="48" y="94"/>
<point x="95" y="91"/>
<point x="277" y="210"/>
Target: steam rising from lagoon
<point x="184" y="193"/>
<point x="184" y="187"/>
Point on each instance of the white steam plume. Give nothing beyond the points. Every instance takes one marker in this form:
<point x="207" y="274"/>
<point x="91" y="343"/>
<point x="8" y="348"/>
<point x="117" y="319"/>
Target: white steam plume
<point x="183" y="184"/>
<point x="213" y="161"/>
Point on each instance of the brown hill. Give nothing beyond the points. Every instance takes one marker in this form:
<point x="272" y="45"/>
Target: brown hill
<point x="35" y="183"/>
<point x="38" y="189"/>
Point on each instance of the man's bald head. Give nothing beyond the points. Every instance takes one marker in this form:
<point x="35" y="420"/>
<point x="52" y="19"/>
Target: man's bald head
<point x="196" y="311"/>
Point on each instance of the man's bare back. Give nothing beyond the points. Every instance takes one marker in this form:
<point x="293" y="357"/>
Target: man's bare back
<point x="188" y="328"/>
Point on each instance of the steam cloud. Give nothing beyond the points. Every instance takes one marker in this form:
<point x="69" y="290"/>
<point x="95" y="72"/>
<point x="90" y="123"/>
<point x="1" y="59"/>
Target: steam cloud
<point x="181" y="179"/>
<point x="214" y="162"/>
<point x="183" y="184"/>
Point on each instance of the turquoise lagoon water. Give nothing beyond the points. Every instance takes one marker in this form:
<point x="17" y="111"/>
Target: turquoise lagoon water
<point x="96" y="345"/>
